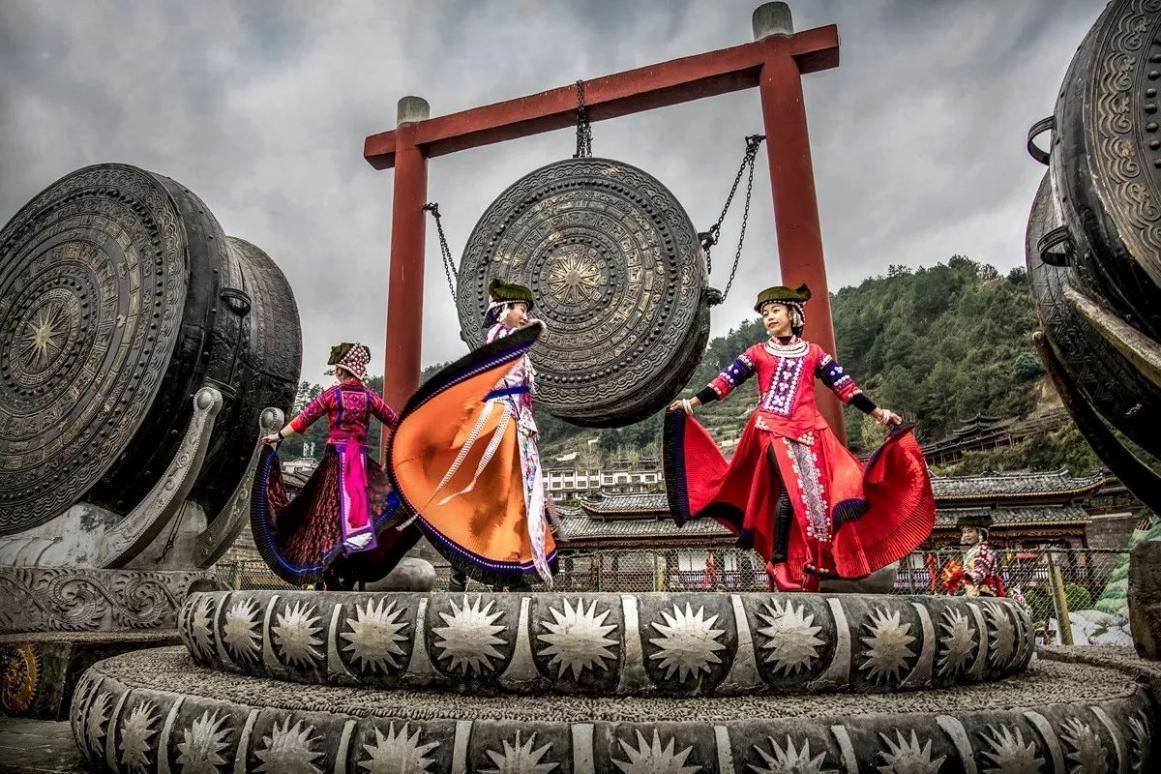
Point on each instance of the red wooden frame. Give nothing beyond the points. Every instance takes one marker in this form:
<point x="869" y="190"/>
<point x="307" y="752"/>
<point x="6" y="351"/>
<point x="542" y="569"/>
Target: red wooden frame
<point x="773" y="64"/>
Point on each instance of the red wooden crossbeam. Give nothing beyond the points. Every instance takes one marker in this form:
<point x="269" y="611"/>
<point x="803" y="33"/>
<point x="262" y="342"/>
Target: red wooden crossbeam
<point x="611" y="96"/>
<point x="774" y="65"/>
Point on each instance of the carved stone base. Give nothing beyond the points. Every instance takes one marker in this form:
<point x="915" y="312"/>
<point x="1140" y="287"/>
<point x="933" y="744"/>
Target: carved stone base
<point x="158" y="711"/>
<point x="50" y="599"/>
<point x="610" y="644"/>
<point x="1145" y="598"/>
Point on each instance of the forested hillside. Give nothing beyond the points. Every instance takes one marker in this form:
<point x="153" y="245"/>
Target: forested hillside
<point x="938" y="344"/>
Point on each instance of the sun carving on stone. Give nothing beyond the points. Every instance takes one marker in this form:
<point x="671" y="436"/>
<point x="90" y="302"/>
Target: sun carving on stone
<point x="240" y="631"/>
<point x="399" y="752"/>
<point x="200" y="752"/>
<point x="135" y="733"/>
<point x="906" y="756"/>
<point x="1003" y="644"/>
<point x="577" y="638"/>
<point x="296" y="633"/>
<point x="651" y="757"/>
<point x="959" y="642"/>
<point x="199" y="626"/>
<point x="1086" y="750"/>
<point x="1009" y="753"/>
<point x="1140" y="743"/>
<point x="469" y="638"/>
<point x="520" y="758"/>
<point x="687" y="643"/>
<point x="289" y="750"/>
<point x="376" y="632"/>
<point x="42" y="336"/>
<point x="98" y="715"/>
<point x="887" y="642"/>
<point x="791" y="637"/>
<point x="789" y="760"/>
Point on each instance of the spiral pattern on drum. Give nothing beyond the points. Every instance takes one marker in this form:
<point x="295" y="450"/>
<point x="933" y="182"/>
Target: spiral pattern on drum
<point x="618" y="276"/>
<point x="92" y="288"/>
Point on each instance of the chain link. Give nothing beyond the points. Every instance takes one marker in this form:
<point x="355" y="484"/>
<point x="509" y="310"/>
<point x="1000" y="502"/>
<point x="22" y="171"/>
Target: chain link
<point x="449" y="266"/>
<point x="584" y="130"/>
<point x="710" y="237"/>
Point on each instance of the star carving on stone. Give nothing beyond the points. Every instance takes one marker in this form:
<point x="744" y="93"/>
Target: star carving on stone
<point x="520" y="758"/>
<point x="376" y="632"/>
<point x="1003" y="645"/>
<point x="241" y="629"/>
<point x="577" y="639"/>
<point x="687" y="643"/>
<point x="792" y="640"/>
<point x="98" y="716"/>
<point x="1140" y="742"/>
<point x="789" y="760"/>
<point x="199" y="625"/>
<point x="135" y="733"/>
<point x="1009" y="753"/>
<point x="907" y="756"/>
<point x="468" y="638"/>
<point x="289" y="750"/>
<point x="651" y="757"/>
<point x="959" y="642"/>
<point x="399" y="752"/>
<point x="887" y="642"/>
<point x="296" y="633"/>
<point x="42" y="336"/>
<point x="203" y="744"/>
<point x="1086" y="750"/>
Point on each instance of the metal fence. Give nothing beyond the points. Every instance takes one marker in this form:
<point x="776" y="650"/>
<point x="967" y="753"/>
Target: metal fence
<point x="1087" y="578"/>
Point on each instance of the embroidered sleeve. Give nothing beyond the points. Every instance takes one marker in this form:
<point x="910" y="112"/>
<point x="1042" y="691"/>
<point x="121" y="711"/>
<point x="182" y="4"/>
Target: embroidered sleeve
<point x="980" y="565"/>
<point x="836" y="378"/>
<point x="381" y="410"/>
<point x="736" y="372"/>
<point x="313" y="411"/>
<point x="497" y="331"/>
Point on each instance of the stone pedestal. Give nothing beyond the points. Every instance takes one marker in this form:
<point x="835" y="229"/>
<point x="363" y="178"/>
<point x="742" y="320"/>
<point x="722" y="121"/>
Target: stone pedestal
<point x="1145" y="598"/>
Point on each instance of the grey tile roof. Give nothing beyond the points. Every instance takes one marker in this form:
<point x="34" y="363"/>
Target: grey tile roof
<point x="1066" y="514"/>
<point x="578" y="525"/>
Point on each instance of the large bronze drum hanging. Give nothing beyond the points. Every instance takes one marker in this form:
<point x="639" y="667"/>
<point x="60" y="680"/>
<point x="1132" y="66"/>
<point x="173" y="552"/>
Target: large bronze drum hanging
<point x="618" y="276"/>
<point x="120" y="296"/>
<point x="1106" y="160"/>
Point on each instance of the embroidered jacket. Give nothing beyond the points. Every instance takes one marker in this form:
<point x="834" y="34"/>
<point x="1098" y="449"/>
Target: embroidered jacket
<point x="348" y="407"/>
<point x="786" y="374"/>
<point x="519" y="383"/>
<point x="981" y="566"/>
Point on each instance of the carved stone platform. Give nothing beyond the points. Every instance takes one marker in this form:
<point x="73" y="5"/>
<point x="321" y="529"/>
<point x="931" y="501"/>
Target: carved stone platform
<point x="63" y="599"/>
<point x="159" y="711"/>
<point x="630" y="644"/>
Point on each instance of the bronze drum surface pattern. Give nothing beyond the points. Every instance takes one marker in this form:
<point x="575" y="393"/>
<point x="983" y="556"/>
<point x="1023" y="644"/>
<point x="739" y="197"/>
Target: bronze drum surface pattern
<point x="618" y="276"/>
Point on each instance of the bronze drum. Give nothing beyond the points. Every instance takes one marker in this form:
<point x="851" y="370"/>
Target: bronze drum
<point x="120" y="296"/>
<point x="618" y="275"/>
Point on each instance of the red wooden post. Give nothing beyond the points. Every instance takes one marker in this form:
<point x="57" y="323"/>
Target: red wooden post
<point x="796" y="206"/>
<point x="405" y="289"/>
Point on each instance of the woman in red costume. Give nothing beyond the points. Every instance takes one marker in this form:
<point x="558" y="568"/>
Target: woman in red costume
<point x="340" y="528"/>
<point x="792" y="490"/>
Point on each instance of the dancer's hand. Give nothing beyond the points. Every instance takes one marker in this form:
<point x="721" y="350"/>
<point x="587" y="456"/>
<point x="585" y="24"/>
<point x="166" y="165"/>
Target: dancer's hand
<point x="686" y="405"/>
<point x="271" y="439"/>
<point x="886" y="417"/>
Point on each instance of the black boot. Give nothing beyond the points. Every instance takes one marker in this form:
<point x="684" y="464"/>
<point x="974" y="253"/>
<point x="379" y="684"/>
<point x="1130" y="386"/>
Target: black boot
<point x="783" y="516"/>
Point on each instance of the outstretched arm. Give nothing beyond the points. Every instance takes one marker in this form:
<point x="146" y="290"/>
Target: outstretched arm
<point x="841" y="384"/>
<point x="381" y="410"/>
<point x="721" y="385"/>
<point x="307" y="417"/>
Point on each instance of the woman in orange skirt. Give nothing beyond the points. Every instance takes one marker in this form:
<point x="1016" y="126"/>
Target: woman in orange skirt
<point x="464" y="456"/>
<point x="792" y="490"/>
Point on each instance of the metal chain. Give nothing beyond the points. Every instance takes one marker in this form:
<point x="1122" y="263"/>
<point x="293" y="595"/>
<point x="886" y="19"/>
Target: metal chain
<point x="449" y="266"/>
<point x="710" y="238"/>
<point x="584" y="130"/>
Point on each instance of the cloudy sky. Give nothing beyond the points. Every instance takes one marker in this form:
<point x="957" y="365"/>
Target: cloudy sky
<point x="261" y="109"/>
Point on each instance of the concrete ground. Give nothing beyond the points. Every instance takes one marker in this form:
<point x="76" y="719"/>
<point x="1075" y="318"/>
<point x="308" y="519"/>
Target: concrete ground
<point x="28" y="746"/>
